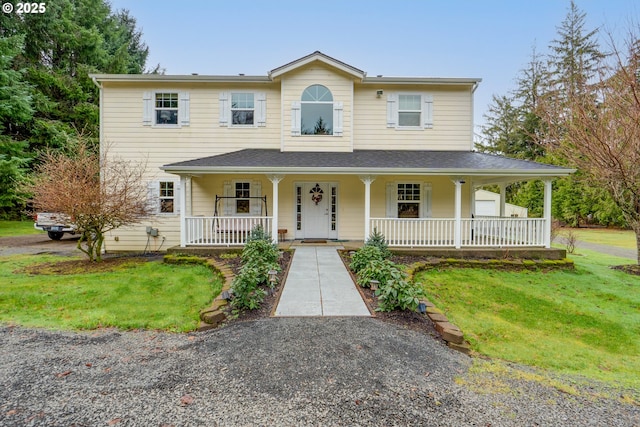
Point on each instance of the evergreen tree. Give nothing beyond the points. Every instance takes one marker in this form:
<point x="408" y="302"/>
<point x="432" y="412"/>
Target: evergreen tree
<point x="15" y="110"/>
<point x="46" y="96"/>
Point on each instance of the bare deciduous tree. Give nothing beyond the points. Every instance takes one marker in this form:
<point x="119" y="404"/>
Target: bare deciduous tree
<point x="98" y="192"/>
<point x="598" y="129"/>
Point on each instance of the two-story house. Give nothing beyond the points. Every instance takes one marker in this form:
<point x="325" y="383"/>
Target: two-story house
<point x="315" y="149"/>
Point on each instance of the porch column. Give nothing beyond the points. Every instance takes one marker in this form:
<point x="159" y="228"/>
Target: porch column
<point x="547" y="213"/>
<point x="275" y="180"/>
<point x="458" y="213"/>
<point x="503" y="198"/>
<point x="367" y="180"/>
<point x="183" y="209"/>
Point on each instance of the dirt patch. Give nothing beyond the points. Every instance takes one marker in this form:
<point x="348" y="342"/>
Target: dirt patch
<point x="83" y="266"/>
<point x="628" y="268"/>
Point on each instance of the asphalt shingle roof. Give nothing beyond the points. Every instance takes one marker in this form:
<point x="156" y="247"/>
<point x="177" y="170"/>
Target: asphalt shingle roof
<point x="362" y="160"/>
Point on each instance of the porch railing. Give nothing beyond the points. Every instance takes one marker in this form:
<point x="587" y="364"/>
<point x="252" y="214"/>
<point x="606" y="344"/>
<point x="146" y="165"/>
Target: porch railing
<point x="474" y="232"/>
<point x="416" y="232"/>
<point x="223" y="231"/>
<point x="496" y="231"/>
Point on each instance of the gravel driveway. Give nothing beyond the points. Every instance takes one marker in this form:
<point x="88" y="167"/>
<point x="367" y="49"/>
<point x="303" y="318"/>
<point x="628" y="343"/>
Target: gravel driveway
<point x="39" y="244"/>
<point x="271" y="372"/>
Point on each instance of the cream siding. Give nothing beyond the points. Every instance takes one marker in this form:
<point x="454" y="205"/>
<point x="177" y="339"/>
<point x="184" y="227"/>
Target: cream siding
<point x="124" y="131"/>
<point x="341" y="87"/>
<point x="452" y="120"/>
<point x="364" y="126"/>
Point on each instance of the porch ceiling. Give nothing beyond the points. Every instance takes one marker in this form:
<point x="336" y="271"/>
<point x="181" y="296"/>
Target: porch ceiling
<point x="359" y="162"/>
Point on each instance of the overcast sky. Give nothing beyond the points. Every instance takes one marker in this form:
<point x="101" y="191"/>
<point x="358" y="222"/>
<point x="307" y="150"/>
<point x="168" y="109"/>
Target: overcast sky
<point x="489" y="39"/>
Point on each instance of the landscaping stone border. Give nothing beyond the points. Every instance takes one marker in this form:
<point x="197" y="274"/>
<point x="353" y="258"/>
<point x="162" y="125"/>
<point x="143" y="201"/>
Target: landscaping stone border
<point x="447" y="330"/>
<point x="494" y="264"/>
<point x="212" y="316"/>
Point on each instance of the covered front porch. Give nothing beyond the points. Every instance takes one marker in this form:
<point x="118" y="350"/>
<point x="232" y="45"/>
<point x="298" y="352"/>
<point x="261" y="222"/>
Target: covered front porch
<point x="347" y="196"/>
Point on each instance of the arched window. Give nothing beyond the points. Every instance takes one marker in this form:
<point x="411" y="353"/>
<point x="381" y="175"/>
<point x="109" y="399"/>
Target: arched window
<point x="316" y="111"/>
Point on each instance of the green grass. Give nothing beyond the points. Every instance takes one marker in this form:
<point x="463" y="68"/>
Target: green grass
<point x="621" y="238"/>
<point x="17" y="228"/>
<point x="585" y="322"/>
<point x="150" y="295"/>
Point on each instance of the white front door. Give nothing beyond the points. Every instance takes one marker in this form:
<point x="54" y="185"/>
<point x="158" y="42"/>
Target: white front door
<point x="315" y="210"/>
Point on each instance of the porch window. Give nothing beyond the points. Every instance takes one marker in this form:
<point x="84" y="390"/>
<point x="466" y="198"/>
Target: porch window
<point x="243" y="202"/>
<point x="408" y="200"/>
<point x="242" y="198"/>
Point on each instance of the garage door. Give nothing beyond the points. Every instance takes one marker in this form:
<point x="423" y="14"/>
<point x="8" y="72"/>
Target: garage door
<point x="485" y="207"/>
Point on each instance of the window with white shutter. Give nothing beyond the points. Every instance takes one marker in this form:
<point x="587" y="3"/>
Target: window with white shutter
<point x="410" y="110"/>
<point x="165" y="109"/>
<point x="242" y="109"/>
<point x="408" y="200"/>
<point x="317" y="113"/>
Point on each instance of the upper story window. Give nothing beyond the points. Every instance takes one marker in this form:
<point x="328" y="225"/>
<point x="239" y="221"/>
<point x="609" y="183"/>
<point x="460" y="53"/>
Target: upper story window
<point x="242" y="109"/>
<point x="316" y="113"/>
<point x="165" y="108"/>
<point x="410" y="110"/>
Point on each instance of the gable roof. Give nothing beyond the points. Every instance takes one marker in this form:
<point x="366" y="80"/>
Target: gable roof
<point x="279" y="71"/>
<point x="366" y="162"/>
<point x="319" y="57"/>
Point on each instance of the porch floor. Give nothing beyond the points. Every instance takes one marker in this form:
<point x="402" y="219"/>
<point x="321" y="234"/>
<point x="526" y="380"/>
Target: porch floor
<point x="318" y="284"/>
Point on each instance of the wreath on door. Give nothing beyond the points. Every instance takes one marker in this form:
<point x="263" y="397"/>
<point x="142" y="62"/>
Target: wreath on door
<point x="316" y="194"/>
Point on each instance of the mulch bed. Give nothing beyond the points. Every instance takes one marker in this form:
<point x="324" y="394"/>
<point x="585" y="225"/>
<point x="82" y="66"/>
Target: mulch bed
<point x="83" y="266"/>
<point x="407" y="319"/>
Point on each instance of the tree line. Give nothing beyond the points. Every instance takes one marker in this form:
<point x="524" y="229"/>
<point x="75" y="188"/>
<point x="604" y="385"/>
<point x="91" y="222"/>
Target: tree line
<point x="47" y="99"/>
<point x="516" y="124"/>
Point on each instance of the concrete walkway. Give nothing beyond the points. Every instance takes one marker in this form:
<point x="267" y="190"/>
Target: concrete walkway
<point x="318" y="284"/>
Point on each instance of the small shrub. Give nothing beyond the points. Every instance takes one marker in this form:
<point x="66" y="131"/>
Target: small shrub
<point x="258" y="233"/>
<point x="246" y="291"/>
<point x="570" y="240"/>
<point x="398" y="294"/>
<point x="378" y="240"/>
<point x="363" y="256"/>
<point x="380" y="270"/>
<point x="259" y="256"/>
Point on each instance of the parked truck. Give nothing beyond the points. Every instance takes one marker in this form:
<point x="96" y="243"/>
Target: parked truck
<point x="55" y="224"/>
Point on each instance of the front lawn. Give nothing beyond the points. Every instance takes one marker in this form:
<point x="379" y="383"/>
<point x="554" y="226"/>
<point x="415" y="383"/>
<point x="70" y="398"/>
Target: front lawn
<point x="17" y="228"/>
<point x="584" y="322"/>
<point x="135" y="294"/>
